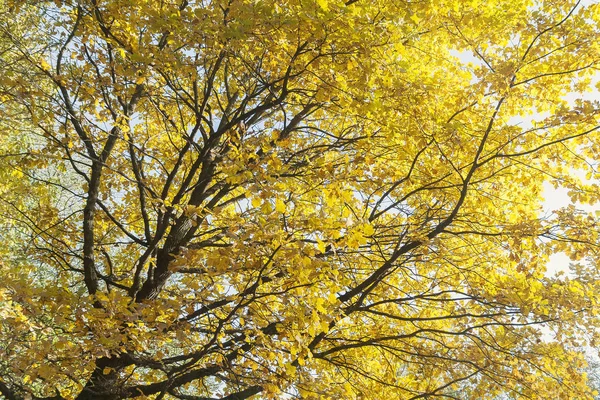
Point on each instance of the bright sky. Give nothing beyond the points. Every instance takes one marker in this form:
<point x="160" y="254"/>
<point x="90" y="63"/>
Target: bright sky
<point x="558" y="198"/>
<point x="554" y="198"/>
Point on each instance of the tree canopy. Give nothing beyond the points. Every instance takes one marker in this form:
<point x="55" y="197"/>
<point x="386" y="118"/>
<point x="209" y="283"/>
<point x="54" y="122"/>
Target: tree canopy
<point x="311" y="199"/>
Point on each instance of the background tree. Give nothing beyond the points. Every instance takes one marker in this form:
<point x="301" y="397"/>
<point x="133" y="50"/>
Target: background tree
<point x="310" y="199"/>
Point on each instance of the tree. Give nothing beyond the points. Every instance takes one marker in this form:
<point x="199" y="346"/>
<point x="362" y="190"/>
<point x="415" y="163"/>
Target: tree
<point x="296" y="199"/>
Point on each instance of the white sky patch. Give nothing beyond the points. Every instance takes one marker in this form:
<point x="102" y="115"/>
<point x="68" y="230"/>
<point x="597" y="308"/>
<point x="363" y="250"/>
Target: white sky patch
<point x="554" y="199"/>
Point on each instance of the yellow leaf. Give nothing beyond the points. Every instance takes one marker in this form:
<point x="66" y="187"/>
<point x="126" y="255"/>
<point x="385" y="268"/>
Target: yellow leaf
<point x="319" y="305"/>
<point x="256" y="202"/>
<point x="332" y="298"/>
<point x="280" y="206"/>
<point x="321" y="245"/>
<point x="290" y="370"/>
<point x="323" y="4"/>
<point x="45" y="66"/>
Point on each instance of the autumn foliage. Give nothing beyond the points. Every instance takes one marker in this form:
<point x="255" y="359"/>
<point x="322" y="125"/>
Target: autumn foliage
<point x="311" y="199"/>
